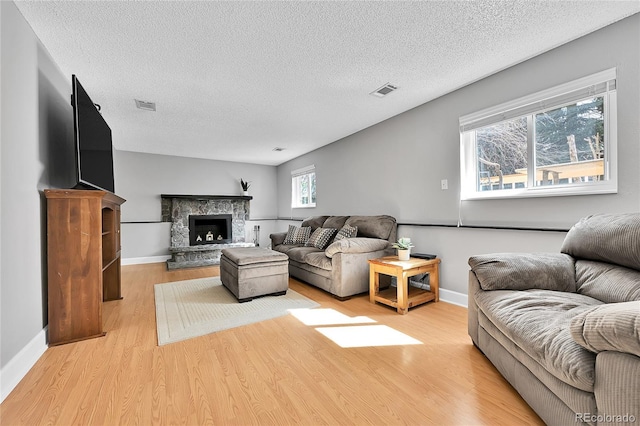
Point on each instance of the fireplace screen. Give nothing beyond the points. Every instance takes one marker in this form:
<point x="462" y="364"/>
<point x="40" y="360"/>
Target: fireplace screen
<point x="209" y="229"/>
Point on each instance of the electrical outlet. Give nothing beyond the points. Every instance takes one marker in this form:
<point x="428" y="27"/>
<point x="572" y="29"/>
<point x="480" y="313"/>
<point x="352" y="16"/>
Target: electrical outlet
<point x="444" y="184"/>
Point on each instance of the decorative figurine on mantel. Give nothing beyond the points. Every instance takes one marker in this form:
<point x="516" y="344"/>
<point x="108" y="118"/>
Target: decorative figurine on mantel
<point x="245" y="186"/>
<point x="209" y="236"/>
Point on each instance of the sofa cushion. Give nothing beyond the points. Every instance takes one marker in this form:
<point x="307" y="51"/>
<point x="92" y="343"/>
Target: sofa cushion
<point x="286" y="248"/>
<point x="607" y="282"/>
<point x="610" y="327"/>
<point x="297" y="235"/>
<point x="242" y="256"/>
<point x="319" y="260"/>
<point x="335" y="222"/>
<point x="299" y="253"/>
<point x="356" y="245"/>
<point x="314" y="221"/>
<point x="523" y="271"/>
<point x="373" y="226"/>
<point x="611" y="238"/>
<point x="346" y="232"/>
<point x="538" y="321"/>
<point x="321" y="238"/>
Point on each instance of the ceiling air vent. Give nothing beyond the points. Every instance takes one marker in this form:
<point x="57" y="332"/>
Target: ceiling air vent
<point x="384" y="90"/>
<point x="147" y="106"/>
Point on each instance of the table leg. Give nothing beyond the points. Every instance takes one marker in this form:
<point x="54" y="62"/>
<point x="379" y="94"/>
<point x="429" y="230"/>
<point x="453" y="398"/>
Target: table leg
<point x="402" y="281"/>
<point x="374" y="284"/>
<point x="434" y="282"/>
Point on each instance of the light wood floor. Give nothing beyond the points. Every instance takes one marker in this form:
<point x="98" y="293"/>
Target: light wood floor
<point x="278" y="371"/>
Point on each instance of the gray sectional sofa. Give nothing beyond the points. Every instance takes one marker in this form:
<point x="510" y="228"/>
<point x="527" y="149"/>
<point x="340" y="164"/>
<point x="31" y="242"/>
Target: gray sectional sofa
<point x="564" y="328"/>
<point x="341" y="268"/>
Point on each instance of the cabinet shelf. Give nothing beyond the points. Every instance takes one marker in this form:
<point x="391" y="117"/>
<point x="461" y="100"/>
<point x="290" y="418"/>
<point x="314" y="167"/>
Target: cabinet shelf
<point x="111" y="262"/>
<point x="83" y="245"/>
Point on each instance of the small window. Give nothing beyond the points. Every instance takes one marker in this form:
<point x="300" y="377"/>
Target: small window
<point x="558" y="142"/>
<point x="303" y="187"/>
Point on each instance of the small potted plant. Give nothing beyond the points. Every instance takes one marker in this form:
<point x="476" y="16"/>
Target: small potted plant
<point x="245" y="186"/>
<point x="403" y="245"/>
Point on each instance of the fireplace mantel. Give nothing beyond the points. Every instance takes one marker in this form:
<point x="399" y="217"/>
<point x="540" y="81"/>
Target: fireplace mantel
<point x="207" y="197"/>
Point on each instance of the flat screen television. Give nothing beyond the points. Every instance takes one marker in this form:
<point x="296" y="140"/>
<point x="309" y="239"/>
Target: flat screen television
<point x="94" y="150"/>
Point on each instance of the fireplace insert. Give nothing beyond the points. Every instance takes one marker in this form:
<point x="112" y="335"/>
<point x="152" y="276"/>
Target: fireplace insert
<point x="209" y="229"/>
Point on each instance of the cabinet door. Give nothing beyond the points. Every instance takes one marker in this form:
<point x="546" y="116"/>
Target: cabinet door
<point x="74" y="269"/>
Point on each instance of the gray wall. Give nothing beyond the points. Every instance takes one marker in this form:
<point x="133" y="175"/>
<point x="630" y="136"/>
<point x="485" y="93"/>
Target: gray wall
<point x="141" y="178"/>
<point x="36" y="139"/>
<point x="395" y="167"/>
<point x="37" y="124"/>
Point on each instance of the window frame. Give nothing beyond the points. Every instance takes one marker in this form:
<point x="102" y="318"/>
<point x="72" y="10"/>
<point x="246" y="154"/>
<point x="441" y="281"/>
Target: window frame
<point x="529" y="106"/>
<point x="296" y="189"/>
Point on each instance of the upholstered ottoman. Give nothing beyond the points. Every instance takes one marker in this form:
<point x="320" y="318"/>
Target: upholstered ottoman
<point x="250" y="272"/>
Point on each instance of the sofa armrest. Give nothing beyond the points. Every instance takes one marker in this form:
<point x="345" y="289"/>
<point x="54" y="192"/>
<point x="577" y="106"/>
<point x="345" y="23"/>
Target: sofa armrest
<point x="525" y="271"/>
<point x="609" y="327"/>
<point x="472" y="308"/>
<point x="356" y="245"/>
<point x="277" y="238"/>
<point x="617" y="388"/>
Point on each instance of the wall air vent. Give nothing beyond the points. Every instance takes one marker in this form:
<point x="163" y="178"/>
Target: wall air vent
<point x="384" y="90"/>
<point x="147" y="106"/>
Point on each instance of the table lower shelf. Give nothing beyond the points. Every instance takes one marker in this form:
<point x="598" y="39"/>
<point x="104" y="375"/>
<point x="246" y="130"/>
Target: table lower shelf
<point x="416" y="296"/>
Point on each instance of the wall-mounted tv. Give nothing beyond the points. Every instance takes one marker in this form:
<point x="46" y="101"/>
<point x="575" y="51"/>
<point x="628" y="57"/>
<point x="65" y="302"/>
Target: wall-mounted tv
<point x="94" y="150"/>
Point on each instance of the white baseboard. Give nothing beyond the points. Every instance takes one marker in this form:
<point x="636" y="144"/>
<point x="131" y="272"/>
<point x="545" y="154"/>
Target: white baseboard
<point x="141" y="260"/>
<point x="454" y="298"/>
<point x="19" y="366"/>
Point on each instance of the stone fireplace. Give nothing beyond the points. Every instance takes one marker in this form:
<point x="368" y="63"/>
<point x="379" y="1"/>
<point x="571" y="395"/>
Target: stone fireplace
<point x="202" y="226"/>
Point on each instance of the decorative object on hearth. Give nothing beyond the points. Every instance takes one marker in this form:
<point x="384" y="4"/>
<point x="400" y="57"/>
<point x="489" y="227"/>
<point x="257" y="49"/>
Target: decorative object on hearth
<point x="256" y="235"/>
<point x="403" y="246"/>
<point x="245" y="186"/>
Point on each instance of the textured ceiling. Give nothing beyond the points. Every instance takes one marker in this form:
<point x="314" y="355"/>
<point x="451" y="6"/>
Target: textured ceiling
<point x="234" y="80"/>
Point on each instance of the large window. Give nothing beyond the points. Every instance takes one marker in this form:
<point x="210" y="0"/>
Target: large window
<point x="561" y="141"/>
<point x="303" y="187"/>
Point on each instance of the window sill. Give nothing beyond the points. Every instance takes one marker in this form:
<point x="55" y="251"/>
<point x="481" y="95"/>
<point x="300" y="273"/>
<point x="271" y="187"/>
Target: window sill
<point x="605" y="188"/>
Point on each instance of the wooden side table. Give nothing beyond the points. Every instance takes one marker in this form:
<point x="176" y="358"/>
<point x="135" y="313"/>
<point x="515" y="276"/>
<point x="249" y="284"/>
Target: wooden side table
<point x="404" y="296"/>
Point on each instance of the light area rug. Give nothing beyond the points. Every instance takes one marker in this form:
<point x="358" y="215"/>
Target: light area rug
<point x="192" y="308"/>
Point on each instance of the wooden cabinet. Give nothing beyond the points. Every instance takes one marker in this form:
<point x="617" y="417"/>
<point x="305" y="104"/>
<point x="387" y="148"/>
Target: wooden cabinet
<point x="83" y="261"/>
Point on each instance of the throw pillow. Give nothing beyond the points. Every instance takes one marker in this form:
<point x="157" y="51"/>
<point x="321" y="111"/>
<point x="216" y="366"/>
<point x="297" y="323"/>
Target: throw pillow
<point x="347" y="232"/>
<point x="297" y="235"/>
<point x="290" y="234"/>
<point x="321" y="238"/>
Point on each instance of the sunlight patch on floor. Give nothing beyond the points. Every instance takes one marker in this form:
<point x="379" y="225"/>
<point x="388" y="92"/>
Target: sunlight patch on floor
<point x="367" y="335"/>
<point x="326" y="316"/>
